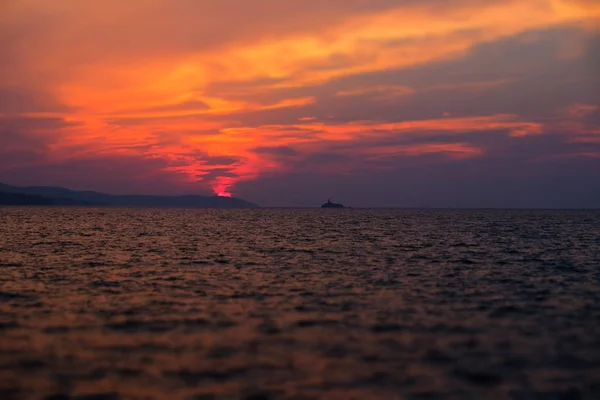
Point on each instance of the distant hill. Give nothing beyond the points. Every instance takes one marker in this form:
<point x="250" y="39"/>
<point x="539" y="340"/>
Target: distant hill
<point x="48" y="195"/>
<point x="20" y="199"/>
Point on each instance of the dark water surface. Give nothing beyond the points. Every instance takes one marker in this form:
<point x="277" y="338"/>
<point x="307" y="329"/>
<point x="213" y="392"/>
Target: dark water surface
<point x="302" y="304"/>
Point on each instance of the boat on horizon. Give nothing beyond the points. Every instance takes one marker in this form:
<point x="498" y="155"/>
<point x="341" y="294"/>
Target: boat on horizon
<point x="329" y="204"/>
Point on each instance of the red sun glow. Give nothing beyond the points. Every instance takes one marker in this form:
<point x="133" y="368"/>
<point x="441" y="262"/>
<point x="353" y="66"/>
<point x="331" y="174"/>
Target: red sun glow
<point x="223" y="194"/>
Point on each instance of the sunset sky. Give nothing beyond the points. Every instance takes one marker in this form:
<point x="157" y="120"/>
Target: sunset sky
<point x="441" y="103"/>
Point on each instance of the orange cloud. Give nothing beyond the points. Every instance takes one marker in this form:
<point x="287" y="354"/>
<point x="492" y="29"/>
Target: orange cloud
<point x="136" y="76"/>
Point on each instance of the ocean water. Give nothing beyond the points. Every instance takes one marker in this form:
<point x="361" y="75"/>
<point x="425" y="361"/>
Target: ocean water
<point x="299" y="304"/>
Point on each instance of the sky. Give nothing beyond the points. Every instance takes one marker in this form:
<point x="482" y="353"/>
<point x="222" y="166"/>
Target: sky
<point x="372" y="103"/>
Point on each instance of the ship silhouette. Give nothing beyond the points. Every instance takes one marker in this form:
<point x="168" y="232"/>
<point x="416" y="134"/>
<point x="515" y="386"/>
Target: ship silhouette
<point x="329" y="204"/>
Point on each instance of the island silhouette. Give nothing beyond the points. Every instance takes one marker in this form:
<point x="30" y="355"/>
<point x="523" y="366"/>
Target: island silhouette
<point x="58" y="196"/>
<point x="329" y="204"/>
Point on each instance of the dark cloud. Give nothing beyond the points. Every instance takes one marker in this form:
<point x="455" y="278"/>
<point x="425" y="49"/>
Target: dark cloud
<point x="33" y="124"/>
<point x="219" y="160"/>
<point x="217" y="173"/>
<point x="279" y="151"/>
<point x="15" y="101"/>
<point x="26" y="140"/>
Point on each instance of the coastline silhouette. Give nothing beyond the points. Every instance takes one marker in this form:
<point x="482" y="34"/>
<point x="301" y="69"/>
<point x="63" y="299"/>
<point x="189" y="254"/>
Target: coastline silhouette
<point x="48" y="195"/>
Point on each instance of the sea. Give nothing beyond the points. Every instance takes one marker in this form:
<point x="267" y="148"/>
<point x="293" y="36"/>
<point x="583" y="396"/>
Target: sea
<point x="126" y="303"/>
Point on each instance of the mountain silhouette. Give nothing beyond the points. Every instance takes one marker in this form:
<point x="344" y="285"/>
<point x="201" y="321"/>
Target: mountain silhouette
<point x="48" y="195"/>
<point x="20" y="199"/>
